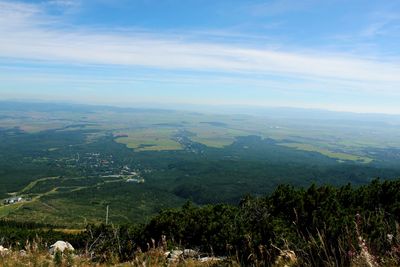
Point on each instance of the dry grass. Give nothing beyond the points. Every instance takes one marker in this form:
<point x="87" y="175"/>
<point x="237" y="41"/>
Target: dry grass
<point x="34" y="256"/>
<point x="154" y="258"/>
<point x="150" y="259"/>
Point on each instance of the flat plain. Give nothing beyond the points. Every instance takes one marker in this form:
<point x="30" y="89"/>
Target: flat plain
<point x="67" y="163"/>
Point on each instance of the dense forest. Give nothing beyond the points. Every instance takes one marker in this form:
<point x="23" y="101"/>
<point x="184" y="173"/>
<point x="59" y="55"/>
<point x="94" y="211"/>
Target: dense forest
<point x="322" y="225"/>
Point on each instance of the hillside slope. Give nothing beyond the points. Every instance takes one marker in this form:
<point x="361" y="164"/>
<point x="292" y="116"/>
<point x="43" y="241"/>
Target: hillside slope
<point x="321" y="226"/>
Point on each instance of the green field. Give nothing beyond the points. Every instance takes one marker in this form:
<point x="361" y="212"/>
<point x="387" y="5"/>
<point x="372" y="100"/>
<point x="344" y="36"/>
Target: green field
<point x="150" y="140"/>
<point x="336" y="155"/>
<point x="215" y="136"/>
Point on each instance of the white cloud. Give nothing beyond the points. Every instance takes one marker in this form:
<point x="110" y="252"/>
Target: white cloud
<point x="65" y="3"/>
<point x="382" y="23"/>
<point x="26" y="32"/>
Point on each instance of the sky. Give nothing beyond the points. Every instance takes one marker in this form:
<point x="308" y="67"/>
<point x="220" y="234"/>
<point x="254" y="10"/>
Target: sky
<point x="326" y="54"/>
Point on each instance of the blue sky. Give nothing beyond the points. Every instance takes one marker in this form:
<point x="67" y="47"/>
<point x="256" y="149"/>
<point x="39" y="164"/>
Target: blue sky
<point x="331" y="54"/>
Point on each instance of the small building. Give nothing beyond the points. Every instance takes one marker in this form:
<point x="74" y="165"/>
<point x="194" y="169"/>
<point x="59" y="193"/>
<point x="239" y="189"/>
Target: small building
<point x="12" y="200"/>
<point x="135" y="180"/>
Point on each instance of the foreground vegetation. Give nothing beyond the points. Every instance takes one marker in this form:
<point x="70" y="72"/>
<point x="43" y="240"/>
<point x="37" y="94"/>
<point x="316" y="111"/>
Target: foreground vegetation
<point x="321" y="226"/>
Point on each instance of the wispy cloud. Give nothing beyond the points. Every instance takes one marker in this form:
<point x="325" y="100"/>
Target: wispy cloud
<point x="382" y="23"/>
<point x="25" y="36"/>
<point x="28" y="33"/>
<point x="64" y="3"/>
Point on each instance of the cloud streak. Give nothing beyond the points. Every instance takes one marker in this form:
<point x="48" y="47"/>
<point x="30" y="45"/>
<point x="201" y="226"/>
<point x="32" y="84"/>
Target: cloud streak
<point x="28" y="33"/>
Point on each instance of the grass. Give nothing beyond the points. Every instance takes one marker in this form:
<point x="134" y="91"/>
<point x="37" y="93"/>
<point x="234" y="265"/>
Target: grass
<point x="66" y="202"/>
<point x="35" y="253"/>
<point x="336" y="155"/>
<point x="152" y="258"/>
<point x="58" y="212"/>
<point x="6" y="210"/>
<point x="150" y="139"/>
<point x="69" y="231"/>
<point x="217" y="137"/>
<point x="34" y="183"/>
<point x="40" y="209"/>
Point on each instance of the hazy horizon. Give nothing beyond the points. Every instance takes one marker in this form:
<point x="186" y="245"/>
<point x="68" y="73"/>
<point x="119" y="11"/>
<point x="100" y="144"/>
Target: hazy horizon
<point x="273" y="111"/>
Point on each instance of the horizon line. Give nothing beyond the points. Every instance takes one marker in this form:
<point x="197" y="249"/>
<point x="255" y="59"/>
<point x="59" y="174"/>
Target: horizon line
<point x="173" y="106"/>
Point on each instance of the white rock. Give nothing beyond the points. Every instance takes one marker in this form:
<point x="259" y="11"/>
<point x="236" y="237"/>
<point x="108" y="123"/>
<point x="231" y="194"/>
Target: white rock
<point x="175" y="254"/>
<point x="190" y="253"/>
<point x="61" y="246"/>
<point x="211" y="259"/>
<point x="3" y="250"/>
<point x="23" y="253"/>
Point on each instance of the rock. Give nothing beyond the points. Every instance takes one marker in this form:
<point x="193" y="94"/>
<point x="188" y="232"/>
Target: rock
<point x="190" y="253"/>
<point x="211" y="259"/>
<point x="61" y="246"/>
<point x="3" y="250"/>
<point x="23" y="253"/>
<point x="176" y="254"/>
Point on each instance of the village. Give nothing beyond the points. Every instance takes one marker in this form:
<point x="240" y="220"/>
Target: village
<point x="92" y="165"/>
<point x="130" y="176"/>
<point x="102" y="165"/>
<point x="14" y="200"/>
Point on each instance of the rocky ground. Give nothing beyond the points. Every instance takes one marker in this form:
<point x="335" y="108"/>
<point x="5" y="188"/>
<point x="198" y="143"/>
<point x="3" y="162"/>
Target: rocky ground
<point x="63" y="254"/>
